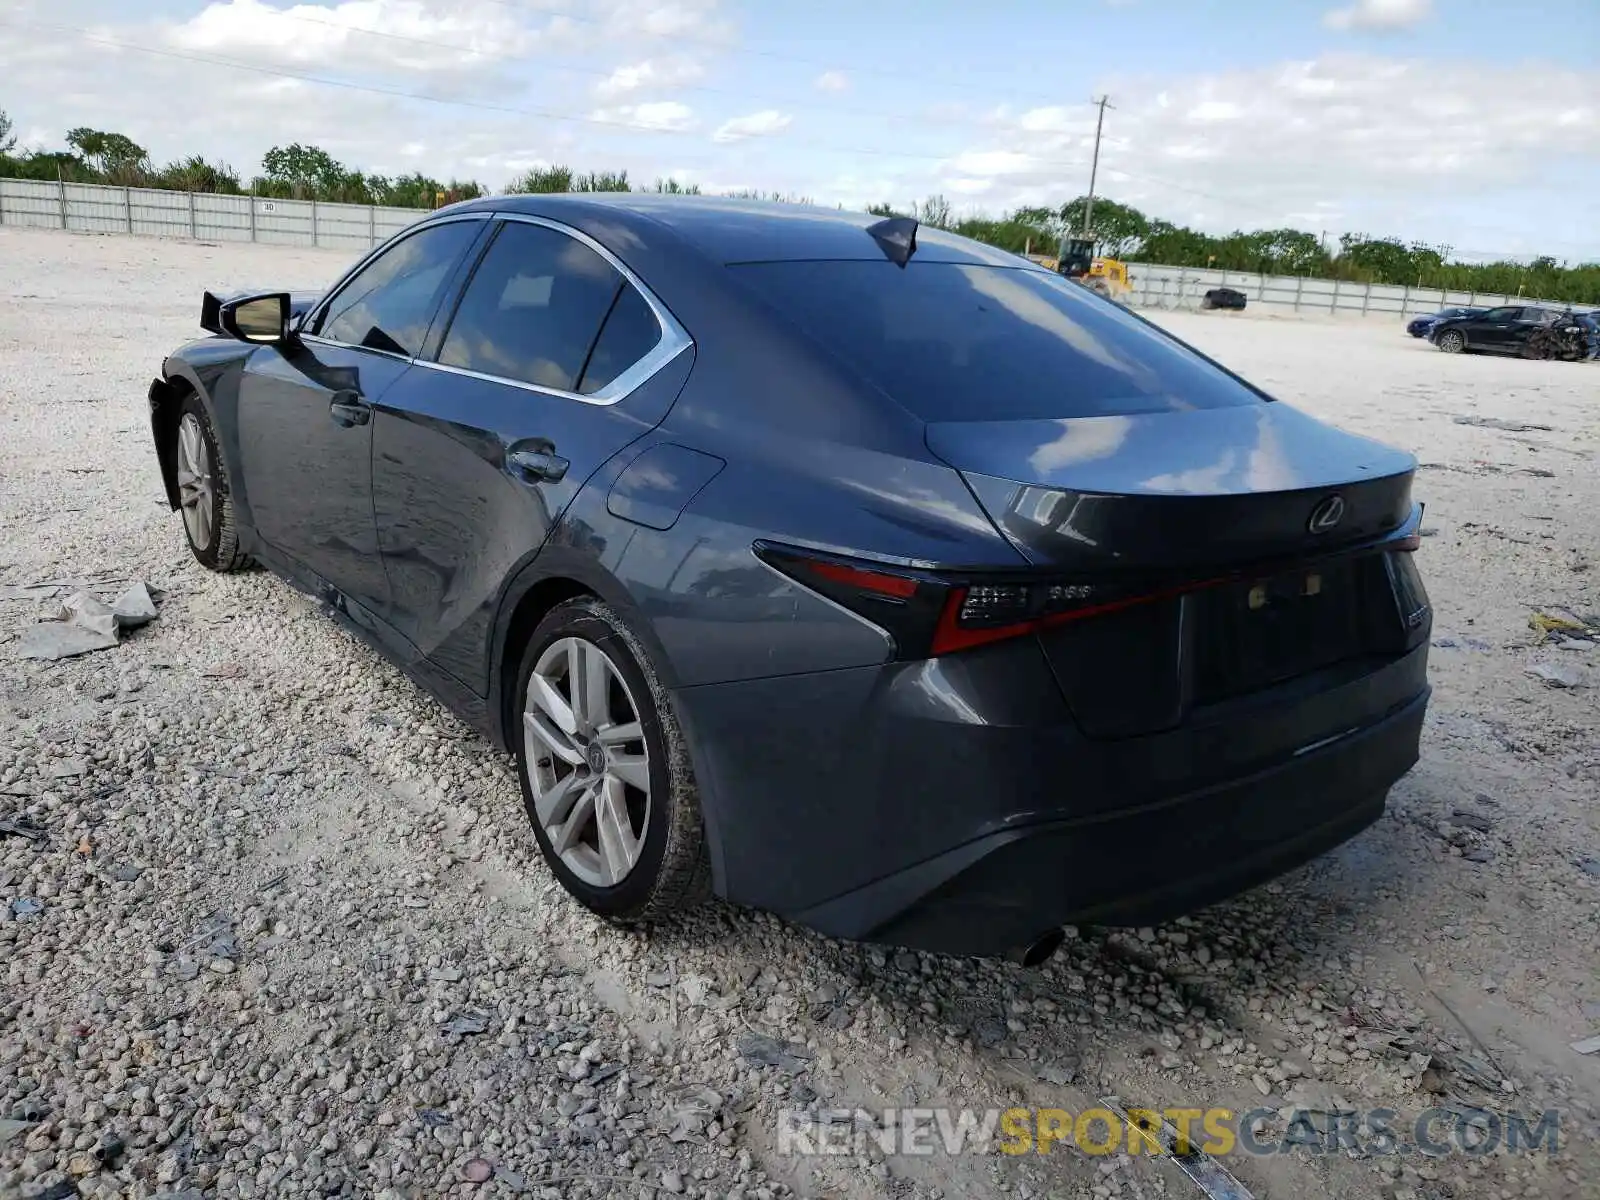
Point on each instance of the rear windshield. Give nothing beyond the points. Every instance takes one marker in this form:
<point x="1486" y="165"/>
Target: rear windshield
<point x="959" y="342"/>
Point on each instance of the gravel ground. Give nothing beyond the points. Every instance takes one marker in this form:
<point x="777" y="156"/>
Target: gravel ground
<point x="286" y="931"/>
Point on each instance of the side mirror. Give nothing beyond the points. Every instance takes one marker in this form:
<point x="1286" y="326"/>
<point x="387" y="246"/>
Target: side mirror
<point x="262" y="320"/>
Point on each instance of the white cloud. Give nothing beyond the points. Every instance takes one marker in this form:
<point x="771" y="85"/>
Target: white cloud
<point x="1379" y="14"/>
<point x="832" y="81"/>
<point x="758" y="124"/>
<point x="993" y="162"/>
<point x="656" y="75"/>
<point x="660" y="115"/>
<point x="1389" y="143"/>
<point x="1215" y="110"/>
<point x="412" y="35"/>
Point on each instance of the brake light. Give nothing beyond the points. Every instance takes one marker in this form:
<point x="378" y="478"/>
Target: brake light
<point x="983" y="613"/>
<point x="928" y="613"/>
<point x="877" y="582"/>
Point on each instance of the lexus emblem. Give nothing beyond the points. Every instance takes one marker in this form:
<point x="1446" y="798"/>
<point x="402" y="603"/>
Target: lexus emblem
<point x="1327" y="514"/>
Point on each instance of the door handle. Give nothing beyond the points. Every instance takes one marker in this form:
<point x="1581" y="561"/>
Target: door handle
<point x="537" y="465"/>
<point x="349" y="408"/>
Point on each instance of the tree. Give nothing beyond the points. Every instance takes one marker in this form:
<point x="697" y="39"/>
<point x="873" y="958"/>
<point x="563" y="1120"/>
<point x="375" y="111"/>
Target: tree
<point x="671" y="187"/>
<point x="305" y="172"/>
<point x="935" y="211"/>
<point x="544" y="180"/>
<point x="114" y="155"/>
<point x="602" y="181"/>
<point x="1118" y="231"/>
<point x="8" y="138"/>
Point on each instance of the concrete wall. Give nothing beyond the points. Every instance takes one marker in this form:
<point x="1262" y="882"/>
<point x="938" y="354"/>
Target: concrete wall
<point x="90" y="208"/>
<point x="1156" y="286"/>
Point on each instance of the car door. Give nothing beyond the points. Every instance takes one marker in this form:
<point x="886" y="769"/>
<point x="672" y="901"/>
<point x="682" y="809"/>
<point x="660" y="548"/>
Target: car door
<point x="1528" y="319"/>
<point x="550" y="363"/>
<point x="305" y="409"/>
<point x="1494" y="330"/>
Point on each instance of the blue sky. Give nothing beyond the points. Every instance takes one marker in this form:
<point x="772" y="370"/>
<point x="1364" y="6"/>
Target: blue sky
<point x="1379" y="116"/>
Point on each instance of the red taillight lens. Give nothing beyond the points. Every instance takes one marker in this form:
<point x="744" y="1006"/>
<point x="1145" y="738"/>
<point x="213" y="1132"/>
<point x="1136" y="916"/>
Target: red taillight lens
<point x="877" y="582"/>
<point x="982" y="613"/>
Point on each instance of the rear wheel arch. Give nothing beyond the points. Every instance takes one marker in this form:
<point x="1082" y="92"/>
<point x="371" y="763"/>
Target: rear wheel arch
<point x="558" y="574"/>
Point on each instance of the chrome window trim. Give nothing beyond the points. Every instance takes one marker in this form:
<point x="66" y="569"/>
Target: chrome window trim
<point x="313" y="340"/>
<point x="318" y="309"/>
<point x="674" y="338"/>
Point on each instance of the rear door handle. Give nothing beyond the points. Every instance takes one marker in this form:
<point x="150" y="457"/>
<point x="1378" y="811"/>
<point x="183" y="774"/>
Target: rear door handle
<point x="537" y="465"/>
<point x="349" y="408"/>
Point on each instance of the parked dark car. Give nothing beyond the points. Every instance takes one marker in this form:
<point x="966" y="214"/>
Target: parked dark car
<point x="1502" y="330"/>
<point x="1223" y="297"/>
<point x="1418" y="326"/>
<point x="844" y="568"/>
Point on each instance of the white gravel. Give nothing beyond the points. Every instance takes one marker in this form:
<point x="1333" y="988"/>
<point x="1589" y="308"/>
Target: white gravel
<point x="281" y="888"/>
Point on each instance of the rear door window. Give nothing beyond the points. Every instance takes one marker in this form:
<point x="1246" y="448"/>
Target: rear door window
<point x="533" y="308"/>
<point x="963" y="342"/>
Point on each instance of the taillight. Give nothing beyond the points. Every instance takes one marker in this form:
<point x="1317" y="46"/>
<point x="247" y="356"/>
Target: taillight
<point x="989" y="612"/>
<point x="928" y="613"/>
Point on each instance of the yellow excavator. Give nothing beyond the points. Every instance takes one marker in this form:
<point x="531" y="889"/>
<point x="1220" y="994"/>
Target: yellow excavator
<point x="1077" y="260"/>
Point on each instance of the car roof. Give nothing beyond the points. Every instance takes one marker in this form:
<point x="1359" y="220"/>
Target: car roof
<point x="728" y="230"/>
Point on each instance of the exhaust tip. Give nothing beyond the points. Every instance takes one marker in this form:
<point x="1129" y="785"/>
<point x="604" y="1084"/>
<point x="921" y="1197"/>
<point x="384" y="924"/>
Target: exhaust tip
<point x="1037" y="951"/>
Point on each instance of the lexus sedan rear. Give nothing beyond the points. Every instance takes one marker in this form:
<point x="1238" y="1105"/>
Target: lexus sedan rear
<point x="843" y="568"/>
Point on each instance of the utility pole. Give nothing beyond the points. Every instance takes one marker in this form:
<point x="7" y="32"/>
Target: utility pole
<point x="1094" y="167"/>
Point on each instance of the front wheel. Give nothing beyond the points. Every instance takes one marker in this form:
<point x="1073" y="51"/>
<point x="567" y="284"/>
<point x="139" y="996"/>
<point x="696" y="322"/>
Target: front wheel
<point x="1451" y="342"/>
<point x="205" y="495"/>
<point x="605" y="773"/>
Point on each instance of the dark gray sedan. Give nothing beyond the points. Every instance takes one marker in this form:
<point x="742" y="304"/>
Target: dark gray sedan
<point x="840" y="567"/>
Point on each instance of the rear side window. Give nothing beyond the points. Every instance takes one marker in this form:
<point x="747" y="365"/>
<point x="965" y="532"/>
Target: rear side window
<point x="960" y="342"/>
<point x="631" y="332"/>
<point x="389" y="304"/>
<point x="533" y="308"/>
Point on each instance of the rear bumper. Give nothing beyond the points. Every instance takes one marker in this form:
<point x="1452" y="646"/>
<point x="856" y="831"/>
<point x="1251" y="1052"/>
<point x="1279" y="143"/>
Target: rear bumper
<point x="954" y="805"/>
<point x="1138" y="867"/>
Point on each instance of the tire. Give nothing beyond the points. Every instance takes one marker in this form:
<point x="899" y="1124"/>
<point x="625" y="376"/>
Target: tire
<point x="669" y="871"/>
<point x="204" y="491"/>
<point x="1451" y="342"/>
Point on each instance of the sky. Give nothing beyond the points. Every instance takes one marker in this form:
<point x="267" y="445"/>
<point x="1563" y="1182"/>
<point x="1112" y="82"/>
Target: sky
<point x="1454" y="122"/>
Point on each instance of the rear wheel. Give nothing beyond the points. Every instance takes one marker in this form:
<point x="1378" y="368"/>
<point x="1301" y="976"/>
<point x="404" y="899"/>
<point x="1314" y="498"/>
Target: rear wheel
<point x="605" y="775"/>
<point x="204" y="494"/>
<point x="1451" y="342"/>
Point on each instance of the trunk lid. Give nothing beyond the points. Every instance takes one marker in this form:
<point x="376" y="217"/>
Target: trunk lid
<point x="1231" y="520"/>
<point x="1165" y="490"/>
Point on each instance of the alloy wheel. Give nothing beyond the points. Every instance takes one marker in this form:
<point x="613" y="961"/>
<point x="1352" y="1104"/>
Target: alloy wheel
<point x="1451" y="342"/>
<point x="196" y="488"/>
<point x="588" y="763"/>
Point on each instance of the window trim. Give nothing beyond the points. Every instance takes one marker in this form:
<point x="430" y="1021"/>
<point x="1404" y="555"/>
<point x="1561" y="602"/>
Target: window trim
<point x="673" y="342"/>
<point x="319" y="310"/>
